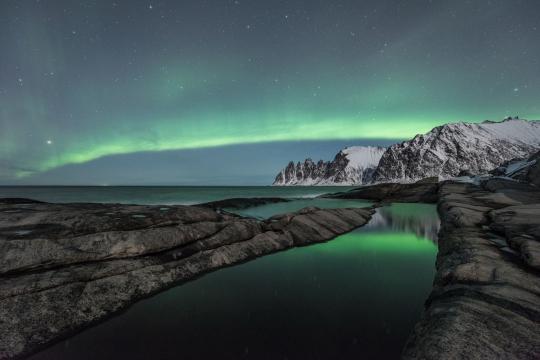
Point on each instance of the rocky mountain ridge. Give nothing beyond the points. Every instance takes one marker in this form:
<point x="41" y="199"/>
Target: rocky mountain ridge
<point x="445" y="152"/>
<point x="352" y="165"/>
<point x="458" y="148"/>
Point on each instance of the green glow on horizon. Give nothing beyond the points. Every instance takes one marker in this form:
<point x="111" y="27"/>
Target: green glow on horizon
<point x="172" y="134"/>
<point x="193" y="106"/>
<point x="167" y="136"/>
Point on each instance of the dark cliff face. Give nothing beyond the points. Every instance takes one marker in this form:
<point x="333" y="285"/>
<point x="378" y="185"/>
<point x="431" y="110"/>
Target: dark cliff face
<point x="337" y="167"/>
<point x="302" y="172"/>
<point x="288" y="173"/>
<point x="448" y="150"/>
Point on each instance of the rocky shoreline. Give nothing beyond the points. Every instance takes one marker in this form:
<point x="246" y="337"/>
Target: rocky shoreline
<point x="78" y="264"/>
<point x="485" y="302"/>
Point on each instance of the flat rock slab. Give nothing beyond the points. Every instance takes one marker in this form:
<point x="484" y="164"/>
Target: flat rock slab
<point x="66" y="266"/>
<point x="485" y="302"/>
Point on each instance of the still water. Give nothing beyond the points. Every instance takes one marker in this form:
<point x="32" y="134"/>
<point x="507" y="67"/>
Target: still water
<point x="357" y="296"/>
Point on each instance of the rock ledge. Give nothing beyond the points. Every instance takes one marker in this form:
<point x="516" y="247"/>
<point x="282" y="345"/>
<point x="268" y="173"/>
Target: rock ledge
<point x="66" y="266"/>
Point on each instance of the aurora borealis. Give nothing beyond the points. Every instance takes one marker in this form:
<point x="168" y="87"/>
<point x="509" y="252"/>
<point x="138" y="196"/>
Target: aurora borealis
<point x="86" y="80"/>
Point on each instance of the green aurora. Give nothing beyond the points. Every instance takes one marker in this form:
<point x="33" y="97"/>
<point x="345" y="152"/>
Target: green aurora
<point x="80" y="82"/>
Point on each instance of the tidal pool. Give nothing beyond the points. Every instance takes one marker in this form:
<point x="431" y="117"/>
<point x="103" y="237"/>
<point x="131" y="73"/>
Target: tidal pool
<point x="357" y="296"/>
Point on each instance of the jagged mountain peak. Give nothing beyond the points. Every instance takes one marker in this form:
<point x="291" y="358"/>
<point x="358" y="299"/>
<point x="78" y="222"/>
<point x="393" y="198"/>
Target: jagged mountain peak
<point x="351" y="166"/>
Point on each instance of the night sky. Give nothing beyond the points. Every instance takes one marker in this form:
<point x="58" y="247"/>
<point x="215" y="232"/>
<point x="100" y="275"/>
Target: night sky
<point x="226" y="92"/>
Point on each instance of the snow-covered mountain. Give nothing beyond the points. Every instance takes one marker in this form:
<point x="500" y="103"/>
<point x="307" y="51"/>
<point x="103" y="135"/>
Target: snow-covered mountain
<point x="446" y="151"/>
<point x="351" y="166"/>
<point x="451" y="149"/>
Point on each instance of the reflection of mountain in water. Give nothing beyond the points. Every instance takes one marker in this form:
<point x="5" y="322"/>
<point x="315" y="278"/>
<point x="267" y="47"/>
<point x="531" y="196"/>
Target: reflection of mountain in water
<point x="422" y="223"/>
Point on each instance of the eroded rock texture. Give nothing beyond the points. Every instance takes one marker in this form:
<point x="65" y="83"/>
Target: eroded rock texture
<point x="485" y="303"/>
<point x="66" y="266"/>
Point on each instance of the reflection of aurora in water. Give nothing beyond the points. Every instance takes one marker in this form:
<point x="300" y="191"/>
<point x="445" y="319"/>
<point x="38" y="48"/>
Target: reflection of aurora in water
<point x="357" y="296"/>
<point x="419" y="219"/>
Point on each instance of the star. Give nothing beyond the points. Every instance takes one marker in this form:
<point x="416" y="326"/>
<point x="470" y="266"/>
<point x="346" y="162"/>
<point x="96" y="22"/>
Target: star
<point x="49" y="142"/>
<point x="150" y="7"/>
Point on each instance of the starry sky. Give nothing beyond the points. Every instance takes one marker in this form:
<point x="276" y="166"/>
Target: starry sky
<point x="228" y="91"/>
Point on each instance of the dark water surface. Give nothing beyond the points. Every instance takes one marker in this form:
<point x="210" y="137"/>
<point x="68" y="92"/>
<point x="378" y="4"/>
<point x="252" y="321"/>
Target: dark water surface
<point x="161" y="195"/>
<point x="357" y="296"/>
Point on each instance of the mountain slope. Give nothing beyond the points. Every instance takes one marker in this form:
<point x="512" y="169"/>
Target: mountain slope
<point x="351" y="166"/>
<point x="451" y="149"/>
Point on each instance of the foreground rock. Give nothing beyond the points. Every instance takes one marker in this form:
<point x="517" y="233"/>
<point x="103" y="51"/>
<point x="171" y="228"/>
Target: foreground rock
<point x="485" y="302"/>
<point x="242" y="203"/>
<point x="420" y="191"/>
<point x="66" y="266"/>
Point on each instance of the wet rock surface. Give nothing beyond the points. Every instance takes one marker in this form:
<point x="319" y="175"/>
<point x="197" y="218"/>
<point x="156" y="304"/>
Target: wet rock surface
<point x="67" y="266"/>
<point x="485" y="302"/>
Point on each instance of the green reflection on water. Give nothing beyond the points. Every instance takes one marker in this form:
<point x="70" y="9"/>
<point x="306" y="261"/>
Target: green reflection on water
<point x="389" y="242"/>
<point x="407" y="210"/>
<point x="357" y="296"/>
